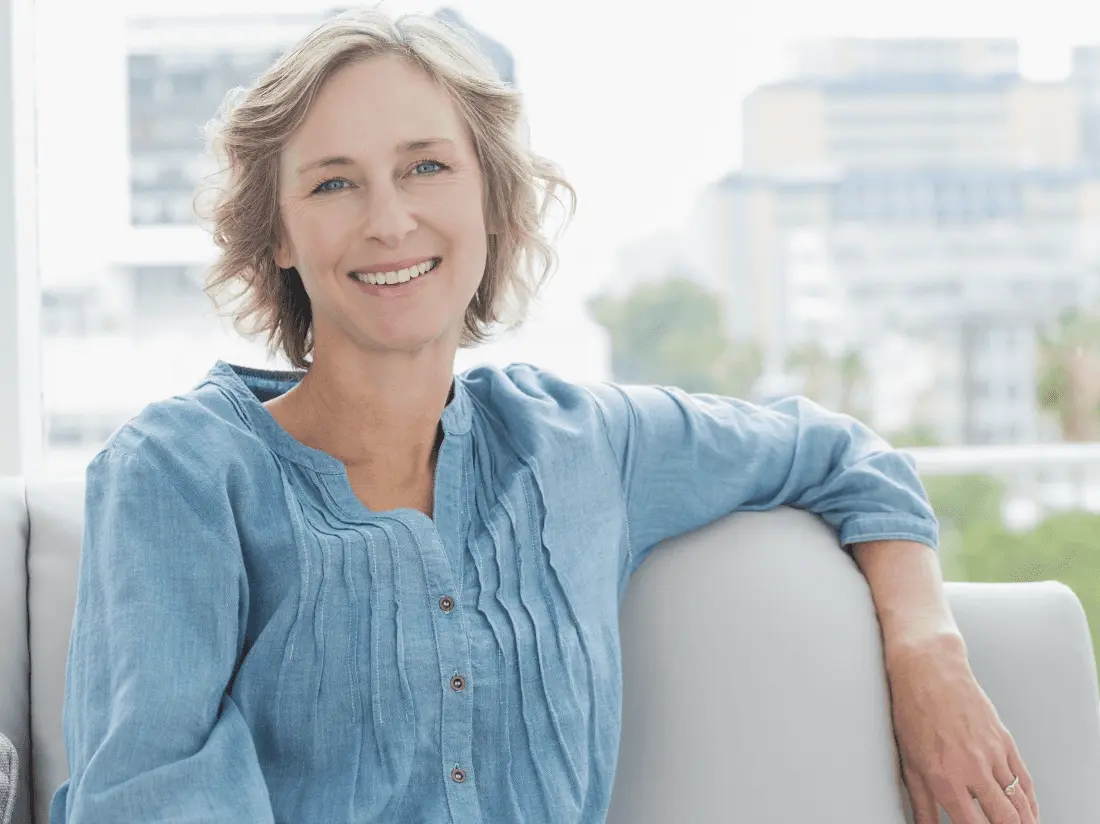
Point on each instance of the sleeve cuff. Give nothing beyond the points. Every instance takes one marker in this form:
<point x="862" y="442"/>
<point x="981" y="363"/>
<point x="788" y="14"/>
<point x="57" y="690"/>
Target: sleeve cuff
<point x="865" y="528"/>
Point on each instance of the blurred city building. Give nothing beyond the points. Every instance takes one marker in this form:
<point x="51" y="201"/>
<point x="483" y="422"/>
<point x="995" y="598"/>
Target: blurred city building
<point x="921" y="202"/>
<point x="1086" y="77"/>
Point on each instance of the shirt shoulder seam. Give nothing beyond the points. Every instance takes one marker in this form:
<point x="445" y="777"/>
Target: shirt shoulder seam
<point x="606" y="429"/>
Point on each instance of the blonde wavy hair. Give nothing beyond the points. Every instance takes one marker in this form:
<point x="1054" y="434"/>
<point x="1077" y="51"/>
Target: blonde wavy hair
<point x="239" y="203"/>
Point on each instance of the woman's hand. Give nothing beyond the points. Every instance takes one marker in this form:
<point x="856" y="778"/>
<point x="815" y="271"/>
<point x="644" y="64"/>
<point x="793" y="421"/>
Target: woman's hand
<point x="952" y="743"/>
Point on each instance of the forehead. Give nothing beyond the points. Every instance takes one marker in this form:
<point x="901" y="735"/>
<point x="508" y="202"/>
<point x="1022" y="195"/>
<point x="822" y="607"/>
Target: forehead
<point x="372" y="106"/>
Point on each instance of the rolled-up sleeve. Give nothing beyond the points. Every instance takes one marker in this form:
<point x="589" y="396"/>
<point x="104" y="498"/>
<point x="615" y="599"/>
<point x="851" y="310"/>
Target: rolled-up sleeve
<point x="686" y="460"/>
<point x="151" y="732"/>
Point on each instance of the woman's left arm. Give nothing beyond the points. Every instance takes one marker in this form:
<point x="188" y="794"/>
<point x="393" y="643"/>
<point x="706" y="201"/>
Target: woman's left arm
<point x="686" y="460"/>
<point x="952" y="743"/>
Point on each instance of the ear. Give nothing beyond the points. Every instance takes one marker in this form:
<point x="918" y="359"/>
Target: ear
<point x="493" y="225"/>
<point x="283" y="257"/>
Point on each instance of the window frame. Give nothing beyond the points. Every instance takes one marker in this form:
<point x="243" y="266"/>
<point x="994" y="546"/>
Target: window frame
<point x="21" y="420"/>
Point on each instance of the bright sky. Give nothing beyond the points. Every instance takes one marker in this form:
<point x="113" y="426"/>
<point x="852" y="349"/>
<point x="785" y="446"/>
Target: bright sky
<point x="642" y="108"/>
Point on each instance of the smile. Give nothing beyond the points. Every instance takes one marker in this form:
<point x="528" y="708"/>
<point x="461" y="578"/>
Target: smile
<point x="399" y="276"/>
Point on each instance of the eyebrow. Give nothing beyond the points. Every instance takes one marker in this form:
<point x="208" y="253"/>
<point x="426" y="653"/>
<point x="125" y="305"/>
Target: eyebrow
<point x="341" y="160"/>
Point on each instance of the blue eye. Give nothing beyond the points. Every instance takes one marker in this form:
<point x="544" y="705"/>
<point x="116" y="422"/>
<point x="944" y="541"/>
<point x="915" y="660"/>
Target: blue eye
<point x="439" y="167"/>
<point x="325" y="187"/>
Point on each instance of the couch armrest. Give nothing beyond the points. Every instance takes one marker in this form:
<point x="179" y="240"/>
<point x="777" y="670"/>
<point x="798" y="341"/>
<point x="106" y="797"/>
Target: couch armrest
<point x="754" y="687"/>
<point x="1030" y="649"/>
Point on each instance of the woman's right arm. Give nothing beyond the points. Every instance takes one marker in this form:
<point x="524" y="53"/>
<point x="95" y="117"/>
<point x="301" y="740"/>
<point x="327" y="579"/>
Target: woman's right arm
<point x="150" y="732"/>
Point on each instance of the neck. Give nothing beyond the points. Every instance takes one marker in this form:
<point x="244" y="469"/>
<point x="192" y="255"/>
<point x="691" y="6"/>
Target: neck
<point x="378" y="413"/>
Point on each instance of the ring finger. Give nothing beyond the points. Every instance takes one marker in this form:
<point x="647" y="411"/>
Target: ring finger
<point x="1004" y="778"/>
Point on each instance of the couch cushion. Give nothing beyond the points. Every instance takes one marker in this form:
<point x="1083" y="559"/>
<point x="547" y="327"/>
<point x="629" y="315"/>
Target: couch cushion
<point x="14" y="656"/>
<point x="56" y="511"/>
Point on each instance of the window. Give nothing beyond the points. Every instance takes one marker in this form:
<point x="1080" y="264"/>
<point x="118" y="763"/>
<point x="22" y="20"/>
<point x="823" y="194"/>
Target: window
<point x="20" y="296"/>
<point x="923" y="227"/>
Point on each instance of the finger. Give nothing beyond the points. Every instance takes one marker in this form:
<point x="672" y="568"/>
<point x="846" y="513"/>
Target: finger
<point x="955" y="798"/>
<point x="998" y="807"/>
<point x="1019" y="798"/>
<point x="921" y="797"/>
<point x="1016" y="764"/>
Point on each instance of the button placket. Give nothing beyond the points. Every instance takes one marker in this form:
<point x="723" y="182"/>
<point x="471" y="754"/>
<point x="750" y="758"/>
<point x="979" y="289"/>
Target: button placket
<point x="446" y="584"/>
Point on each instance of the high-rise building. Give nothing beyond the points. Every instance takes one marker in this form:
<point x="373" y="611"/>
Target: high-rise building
<point x="920" y="189"/>
<point x="1086" y="77"/>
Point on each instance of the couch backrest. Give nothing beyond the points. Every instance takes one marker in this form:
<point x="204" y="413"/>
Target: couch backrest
<point x="14" y="651"/>
<point x="753" y="682"/>
<point x="40" y="530"/>
<point x="56" y="510"/>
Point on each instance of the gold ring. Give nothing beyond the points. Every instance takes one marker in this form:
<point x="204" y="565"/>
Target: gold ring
<point x="1011" y="788"/>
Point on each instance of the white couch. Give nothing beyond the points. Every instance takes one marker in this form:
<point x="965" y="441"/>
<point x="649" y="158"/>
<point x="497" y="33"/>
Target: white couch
<point x="754" y="685"/>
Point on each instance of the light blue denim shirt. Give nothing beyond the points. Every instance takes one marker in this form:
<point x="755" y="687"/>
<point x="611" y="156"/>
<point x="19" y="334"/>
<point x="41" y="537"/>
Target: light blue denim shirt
<point x="252" y="644"/>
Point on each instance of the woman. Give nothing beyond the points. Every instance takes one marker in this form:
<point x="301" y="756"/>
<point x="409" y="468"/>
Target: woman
<point x="370" y="590"/>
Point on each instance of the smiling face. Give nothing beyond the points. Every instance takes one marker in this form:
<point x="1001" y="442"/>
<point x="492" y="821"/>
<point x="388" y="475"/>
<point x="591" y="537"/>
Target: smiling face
<point x="381" y="177"/>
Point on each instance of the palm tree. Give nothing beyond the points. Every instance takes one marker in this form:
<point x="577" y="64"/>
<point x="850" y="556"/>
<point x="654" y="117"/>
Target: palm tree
<point x="836" y="382"/>
<point x="1069" y="374"/>
<point x="853" y="383"/>
<point x="738" y="368"/>
<point x="816" y="369"/>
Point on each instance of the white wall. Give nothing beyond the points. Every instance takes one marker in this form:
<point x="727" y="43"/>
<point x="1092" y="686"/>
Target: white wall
<point x="83" y="143"/>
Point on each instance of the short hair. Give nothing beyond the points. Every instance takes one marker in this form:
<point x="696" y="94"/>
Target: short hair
<point x="239" y="203"/>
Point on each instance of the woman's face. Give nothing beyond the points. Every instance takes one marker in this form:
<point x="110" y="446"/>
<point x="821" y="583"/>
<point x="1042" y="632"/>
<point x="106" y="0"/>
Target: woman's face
<point x="381" y="178"/>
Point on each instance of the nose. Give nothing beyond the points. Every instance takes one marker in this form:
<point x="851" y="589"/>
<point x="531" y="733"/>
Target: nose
<point x="388" y="218"/>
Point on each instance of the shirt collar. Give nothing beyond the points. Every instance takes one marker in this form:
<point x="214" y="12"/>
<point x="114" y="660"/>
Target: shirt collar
<point x="257" y="386"/>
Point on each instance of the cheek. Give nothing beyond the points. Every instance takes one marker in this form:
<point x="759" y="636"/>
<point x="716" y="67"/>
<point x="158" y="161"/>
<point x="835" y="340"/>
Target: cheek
<point x="460" y="209"/>
<point x="471" y="228"/>
<point x="320" y="234"/>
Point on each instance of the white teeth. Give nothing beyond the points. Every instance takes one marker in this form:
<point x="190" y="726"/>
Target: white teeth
<point x="400" y="276"/>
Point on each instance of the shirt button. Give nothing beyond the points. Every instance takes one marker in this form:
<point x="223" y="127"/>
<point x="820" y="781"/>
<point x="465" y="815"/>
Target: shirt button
<point x="458" y="683"/>
<point x="446" y="603"/>
<point x="458" y="775"/>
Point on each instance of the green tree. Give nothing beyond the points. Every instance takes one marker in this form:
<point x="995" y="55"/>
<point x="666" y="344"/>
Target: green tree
<point x="836" y="382"/>
<point x="1061" y="548"/>
<point x="960" y="501"/>
<point x="916" y="435"/>
<point x="671" y="333"/>
<point x="853" y="376"/>
<point x="1069" y="374"/>
<point x="811" y="363"/>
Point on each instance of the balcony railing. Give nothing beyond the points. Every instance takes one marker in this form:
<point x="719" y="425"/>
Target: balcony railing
<point x="1039" y="479"/>
<point x="1028" y="458"/>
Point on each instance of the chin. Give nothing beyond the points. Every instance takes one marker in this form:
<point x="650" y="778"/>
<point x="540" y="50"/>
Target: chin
<point x="404" y="340"/>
